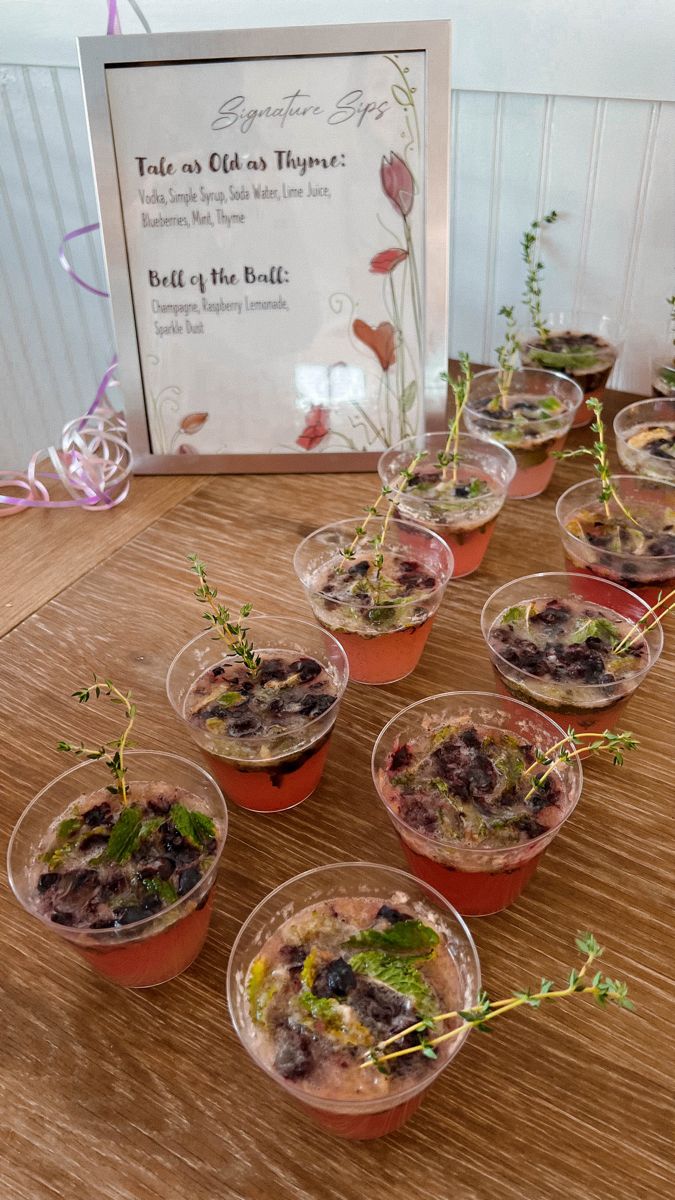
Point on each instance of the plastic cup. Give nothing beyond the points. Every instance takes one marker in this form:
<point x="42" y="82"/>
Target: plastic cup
<point x="263" y="773"/>
<point x="357" y="1118"/>
<point x="390" y="648"/>
<point x="646" y="574"/>
<point x="593" y="377"/>
<point x="161" y="946"/>
<point x="630" y="421"/>
<point x="476" y="880"/>
<point x="466" y="524"/>
<point x="587" y="707"/>
<point x="663" y="374"/>
<point x="532" y="443"/>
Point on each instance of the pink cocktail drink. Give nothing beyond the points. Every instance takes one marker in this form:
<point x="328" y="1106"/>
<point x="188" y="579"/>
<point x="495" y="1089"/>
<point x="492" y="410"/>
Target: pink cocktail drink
<point x="128" y="885"/>
<point x="334" y="962"/>
<point x="636" y="550"/>
<point x="460" y="777"/>
<point x="382" y="616"/>
<point x="582" y="345"/>
<point x="461" y="500"/>
<point x="531" y="417"/>
<point x="571" y="645"/>
<point x="265" y="733"/>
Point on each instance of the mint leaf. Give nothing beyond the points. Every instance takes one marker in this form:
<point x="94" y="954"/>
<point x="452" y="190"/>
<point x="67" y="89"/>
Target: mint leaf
<point x="405" y="937"/>
<point x="550" y="404"/>
<point x="67" y="827"/>
<point x="599" y="627"/>
<point x="125" y="836"/>
<point x="196" y="827"/>
<point x="162" y="888"/>
<point x="320" y="1008"/>
<point x="230" y="699"/>
<point x="513" y="615"/>
<point x="565" y="360"/>
<point x="396" y="973"/>
<point x="149" y="827"/>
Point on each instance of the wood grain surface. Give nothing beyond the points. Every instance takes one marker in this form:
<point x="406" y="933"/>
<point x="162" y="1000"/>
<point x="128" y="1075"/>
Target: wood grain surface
<point x="115" y="1095"/>
<point x="43" y="550"/>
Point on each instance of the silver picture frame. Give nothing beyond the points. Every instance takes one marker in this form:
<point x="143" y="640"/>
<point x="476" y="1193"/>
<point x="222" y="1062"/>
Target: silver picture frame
<point x="98" y="54"/>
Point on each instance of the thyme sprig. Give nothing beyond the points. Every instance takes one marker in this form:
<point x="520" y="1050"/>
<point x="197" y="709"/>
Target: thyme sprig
<point x="460" y="388"/>
<point x="507" y="353"/>
<point x="535" y="267"/>
<point x="653" y="618"/>
<point x="573" y="745"/>
<point x="233" y="633"/>
<point x="112" y="752"/>
<point x="377" y="542"/>
<point x="599" y="453"/>
<point x="603" y="989"/>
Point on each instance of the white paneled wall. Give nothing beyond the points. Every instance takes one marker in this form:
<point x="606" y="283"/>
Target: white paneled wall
<point x="603" y="161"/>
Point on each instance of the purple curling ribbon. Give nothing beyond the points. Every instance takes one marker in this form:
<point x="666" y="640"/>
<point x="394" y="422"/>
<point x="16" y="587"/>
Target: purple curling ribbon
<point x="75" y="233"/>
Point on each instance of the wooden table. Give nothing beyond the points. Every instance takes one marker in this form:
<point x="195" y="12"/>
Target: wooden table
<point x="114" y="1095"/>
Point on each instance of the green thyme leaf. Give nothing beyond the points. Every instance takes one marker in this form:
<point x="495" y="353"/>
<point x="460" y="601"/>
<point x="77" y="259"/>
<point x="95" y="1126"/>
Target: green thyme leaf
<point x="396" y="973"/>
<point x="405" y="937"/>
<point x="194" y="826"/>
<point x="125" y="836"/>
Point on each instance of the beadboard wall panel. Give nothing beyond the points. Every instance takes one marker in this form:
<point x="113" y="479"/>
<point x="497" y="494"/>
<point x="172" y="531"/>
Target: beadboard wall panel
<point x="604" y="163"/>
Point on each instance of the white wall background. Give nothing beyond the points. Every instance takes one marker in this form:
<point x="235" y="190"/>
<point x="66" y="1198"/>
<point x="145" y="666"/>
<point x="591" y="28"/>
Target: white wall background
<point x="568" y="106"/>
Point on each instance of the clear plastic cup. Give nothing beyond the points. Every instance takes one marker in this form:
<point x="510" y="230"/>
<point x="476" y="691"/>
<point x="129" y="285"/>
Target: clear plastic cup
<point x="476" y="880"/>
<point x="266" y="773"/>
<point x="663" y="374"/>
<point x="365" y="1117"/>
<point x="641" y="423"/>
<point x="587" y="707"/>
<point x="646" y="574"/>
<point x="591" y="375"/>
<point x="532" y="443"/>
<point x="161" y="946"/>
<point x="465" y="522"/>
<point x="388" y="648"/>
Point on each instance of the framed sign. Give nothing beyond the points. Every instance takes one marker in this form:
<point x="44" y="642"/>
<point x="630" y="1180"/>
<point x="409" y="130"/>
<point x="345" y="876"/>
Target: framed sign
<point x="274" y="212"/>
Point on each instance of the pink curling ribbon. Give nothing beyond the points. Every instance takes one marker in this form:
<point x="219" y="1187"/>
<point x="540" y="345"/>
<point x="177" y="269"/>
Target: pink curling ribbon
<point x="93" y="461"/>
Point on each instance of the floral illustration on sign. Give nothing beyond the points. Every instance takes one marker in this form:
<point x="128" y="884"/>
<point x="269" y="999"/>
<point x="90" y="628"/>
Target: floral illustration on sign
<point x="393" y="413"/>
<point x="165" y="408"/>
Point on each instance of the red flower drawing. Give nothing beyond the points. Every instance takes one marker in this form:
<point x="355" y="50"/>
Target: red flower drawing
<point x="382" y="341"/>
<point x="384" y="262"/>
<point x="317" y="427"/>
<point x="397" y="183"/>
<point x="193" y="422"/>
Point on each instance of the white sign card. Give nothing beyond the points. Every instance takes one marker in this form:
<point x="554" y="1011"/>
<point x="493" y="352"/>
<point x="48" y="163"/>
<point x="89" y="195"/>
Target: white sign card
<point x="272" y="300"/>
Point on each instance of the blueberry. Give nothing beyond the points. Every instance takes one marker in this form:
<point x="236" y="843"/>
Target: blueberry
<point x="216" y="672"/>
<point x="470" y="738"/>
<point x="462" y="490"/>
<point x="316" y="705"/>
<point x="101" y="814"/>
<point x="102" y="923"/>
<point x="160" y="805"/>
<point x="247" y="725"/>
<point x="130" y="915"/>
<point x="400" y="758"/>
<point x="392" y="915"/>
<point x="408" y="567"/>
<point x="160" y="868"/>
<point x="293" y="1058"/>
<point x="276" y="707"/>
<point x="80" y="880"/>
<point x="377" y="1007"/>
<point x="273" y="668"/>
<point x="62" y="918"/>
<point x="92" y="840"/>
<point x="47" y="880"/>
<point x="335" y="979"/>
<point x="358" y="569"/>
<point x="306" y="668"/>
<point x="293" y="956"/>
<point x="188" y="879"/>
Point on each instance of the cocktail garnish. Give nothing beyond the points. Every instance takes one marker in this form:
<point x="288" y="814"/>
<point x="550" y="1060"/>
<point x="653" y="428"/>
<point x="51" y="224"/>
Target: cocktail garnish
<point x="598" y="452"/>
<point x="111" y="752"/>
<point x="405" y="937"/>
<point x="233" y="633"/>
<point x="603" y="989"/>
<point x="535" y="267"/>
<point x="581" y="743"/>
